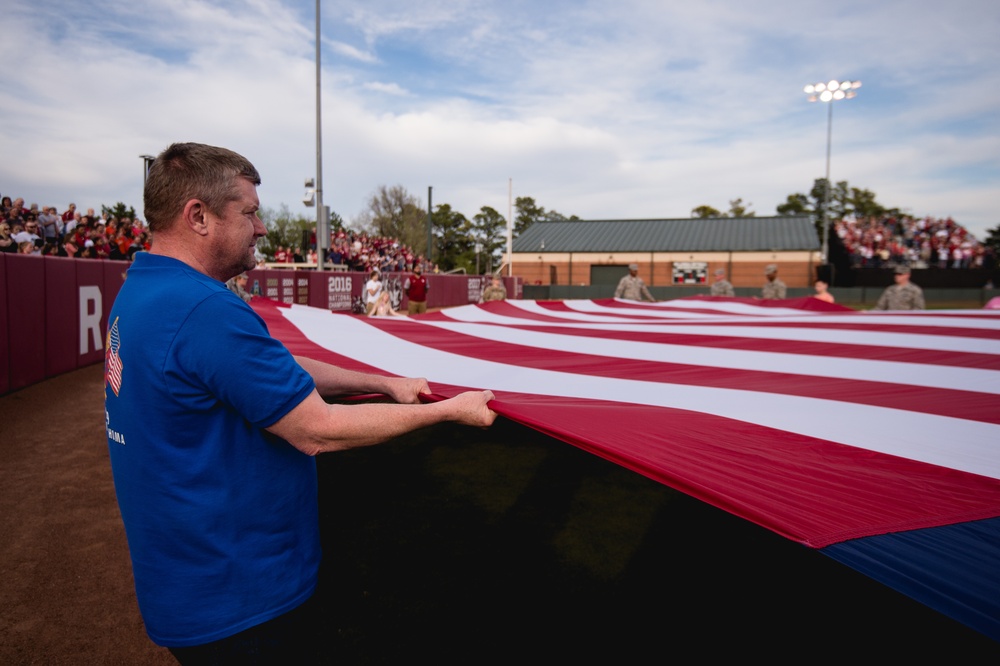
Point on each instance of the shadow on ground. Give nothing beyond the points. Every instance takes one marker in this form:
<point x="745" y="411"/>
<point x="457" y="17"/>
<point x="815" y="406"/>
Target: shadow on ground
<point x="468" y="546"/>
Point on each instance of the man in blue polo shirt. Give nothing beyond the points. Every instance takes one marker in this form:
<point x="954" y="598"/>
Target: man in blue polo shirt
<point x="212" y="426"/>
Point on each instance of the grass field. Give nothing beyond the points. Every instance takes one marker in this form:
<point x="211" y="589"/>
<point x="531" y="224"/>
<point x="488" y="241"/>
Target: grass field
<point x="505" y="545"/>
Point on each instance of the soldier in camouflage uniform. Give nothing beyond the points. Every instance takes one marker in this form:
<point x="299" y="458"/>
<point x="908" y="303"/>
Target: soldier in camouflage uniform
<point x="774" y="287"/>
<point x="722" y="286"/>
<point x="904" y="295"/>
<point x="238" y="285"/>
<point x="495" y="291"/>
<point x="632" y="287"/>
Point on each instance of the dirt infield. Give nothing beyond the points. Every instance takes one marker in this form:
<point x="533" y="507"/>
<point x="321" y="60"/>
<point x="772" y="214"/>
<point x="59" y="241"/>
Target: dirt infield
<point x="453" y="545"/>
<point x="66" y="579"/>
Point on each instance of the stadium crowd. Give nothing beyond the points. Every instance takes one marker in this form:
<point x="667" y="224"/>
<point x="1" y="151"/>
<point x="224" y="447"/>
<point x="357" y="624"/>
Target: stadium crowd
<point x="357" y="252"/>
<point x="882" y="242"/>
<point x="873" y="242"/>
<point x="73" y="233"/>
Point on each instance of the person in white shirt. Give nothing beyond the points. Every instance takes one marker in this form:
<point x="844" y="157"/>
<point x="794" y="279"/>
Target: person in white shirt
<point x="71" y="224"/>
<point x="373" y="288"/>
<point x="29" y="233"/>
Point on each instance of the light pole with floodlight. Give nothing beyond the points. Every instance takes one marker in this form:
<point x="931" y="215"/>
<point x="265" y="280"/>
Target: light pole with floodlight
<point x="147" y="161"/>
<point x="322" y="214"/>
<point x="830" y="92"/>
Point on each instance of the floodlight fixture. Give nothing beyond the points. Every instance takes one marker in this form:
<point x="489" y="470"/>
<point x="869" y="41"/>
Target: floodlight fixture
<point x="829" y="91"/>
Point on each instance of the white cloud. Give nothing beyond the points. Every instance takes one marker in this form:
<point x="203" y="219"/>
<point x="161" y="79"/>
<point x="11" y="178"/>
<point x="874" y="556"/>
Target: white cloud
<point x="599" y="109"/>
<point x="387" y="88"/>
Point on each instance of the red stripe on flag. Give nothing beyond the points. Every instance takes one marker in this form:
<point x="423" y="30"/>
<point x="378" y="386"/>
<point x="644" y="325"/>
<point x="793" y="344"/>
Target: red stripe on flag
<point x="957" y="404"/>
<point x="784" y="346"/>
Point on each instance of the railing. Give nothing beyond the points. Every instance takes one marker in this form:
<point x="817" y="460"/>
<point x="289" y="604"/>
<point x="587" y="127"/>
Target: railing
<point x="304" y="265"/>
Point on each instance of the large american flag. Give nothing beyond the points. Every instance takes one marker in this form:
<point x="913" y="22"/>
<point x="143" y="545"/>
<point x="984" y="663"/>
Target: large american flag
<point x="838" y="429"/>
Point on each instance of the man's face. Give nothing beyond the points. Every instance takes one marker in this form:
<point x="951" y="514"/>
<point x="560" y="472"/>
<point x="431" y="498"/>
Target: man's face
<point x="235" y="233"/>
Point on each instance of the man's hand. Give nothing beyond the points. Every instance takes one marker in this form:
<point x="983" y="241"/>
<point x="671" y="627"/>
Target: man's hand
<point x="407" y="390"/>
<point x="472" y="408"/>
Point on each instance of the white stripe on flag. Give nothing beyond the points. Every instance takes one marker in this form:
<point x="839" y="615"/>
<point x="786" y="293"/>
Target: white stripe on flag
<point x="956" y="378"/>
<point x="938" y="440"/>
<point x="897" y="340"/>
<point x="729" y="311"/>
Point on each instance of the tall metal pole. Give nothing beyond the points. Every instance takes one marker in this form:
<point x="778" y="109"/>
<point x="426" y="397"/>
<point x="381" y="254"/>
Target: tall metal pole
<point x="826" y="189"/>
<point x="829" y="92"/>
<point x="147" y="161"/>
<point x="322" y="232"/>
<point x="429" y="227"/>
<point x="510" y="227"/>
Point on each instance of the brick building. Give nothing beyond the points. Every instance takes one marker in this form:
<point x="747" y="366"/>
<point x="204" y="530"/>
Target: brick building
<point x="669" y="252"/>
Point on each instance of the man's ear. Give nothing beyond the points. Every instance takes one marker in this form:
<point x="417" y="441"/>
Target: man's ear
<point x="195" y="217"/>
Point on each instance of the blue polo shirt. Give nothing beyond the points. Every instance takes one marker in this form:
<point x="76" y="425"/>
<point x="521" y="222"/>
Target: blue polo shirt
<point x="221" y="516"/>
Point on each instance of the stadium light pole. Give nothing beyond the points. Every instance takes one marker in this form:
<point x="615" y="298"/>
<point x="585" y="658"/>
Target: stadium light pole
<point x="510" y="227"/>
<point x="830" y="91"/>
<point x="322" y="219"/>
<point x="147" y="161"/>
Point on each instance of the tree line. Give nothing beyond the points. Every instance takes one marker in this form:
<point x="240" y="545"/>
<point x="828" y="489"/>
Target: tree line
<point x="842" y="201"/>
<point x="476" y="244"/>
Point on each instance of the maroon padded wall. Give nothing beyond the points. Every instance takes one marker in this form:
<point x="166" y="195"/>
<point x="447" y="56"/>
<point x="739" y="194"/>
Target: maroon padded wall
<point x="61" y="316"/>
<point x="53" y="315"/>
<point x="4" y="328"/>
<point x="54" y="310"/>
<point x="337" y="290"/>
<point x="25" y="319"/>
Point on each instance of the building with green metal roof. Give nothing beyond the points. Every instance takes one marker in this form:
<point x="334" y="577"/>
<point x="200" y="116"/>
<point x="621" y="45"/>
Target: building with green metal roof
<point x="668" y="251"/>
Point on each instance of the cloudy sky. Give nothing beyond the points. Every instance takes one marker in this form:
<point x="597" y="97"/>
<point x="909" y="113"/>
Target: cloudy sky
<point x="604" y="109"/>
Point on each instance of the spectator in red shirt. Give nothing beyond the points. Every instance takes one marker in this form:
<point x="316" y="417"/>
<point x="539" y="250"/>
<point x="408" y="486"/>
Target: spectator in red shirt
<point x="416" y="291"/>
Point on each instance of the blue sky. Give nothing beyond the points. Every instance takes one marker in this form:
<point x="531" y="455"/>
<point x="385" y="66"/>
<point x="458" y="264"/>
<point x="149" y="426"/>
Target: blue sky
<point x="602" y="109"/>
